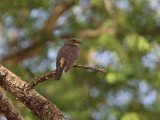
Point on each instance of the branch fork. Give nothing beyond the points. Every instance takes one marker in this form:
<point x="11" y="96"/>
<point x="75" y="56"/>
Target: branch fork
<point x="51" y="74"/>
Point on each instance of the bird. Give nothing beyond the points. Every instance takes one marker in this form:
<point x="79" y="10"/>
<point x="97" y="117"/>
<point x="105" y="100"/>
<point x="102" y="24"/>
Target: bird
<point x="67" y="56"/>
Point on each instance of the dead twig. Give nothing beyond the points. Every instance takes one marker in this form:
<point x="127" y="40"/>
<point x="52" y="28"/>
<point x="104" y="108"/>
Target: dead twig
<point x="51" y="74"/>
<point x="90" y="68"/>
<point x="40" y="79"/>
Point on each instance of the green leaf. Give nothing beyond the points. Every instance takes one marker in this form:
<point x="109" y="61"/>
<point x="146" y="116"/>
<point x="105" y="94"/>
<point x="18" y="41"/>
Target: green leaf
<point x="111" y="78"/>
<point x="130" y="116"/>
<point x="143" y="44"/>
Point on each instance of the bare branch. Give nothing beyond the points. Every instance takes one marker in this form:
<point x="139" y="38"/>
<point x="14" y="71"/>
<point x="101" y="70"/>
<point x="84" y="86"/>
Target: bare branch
<point x="18" y="55"/>
<point x="39" y="105"/>
<point x="53" y="73"/>
<point x="97" y="32"/>
<point x="109" y="8"/>
<point x="8" y="109"/>
<point x="60" y="9"/>
<point x="90" y="68"/>
<point x="41" y="79"/>
<point x="23" y="91"/>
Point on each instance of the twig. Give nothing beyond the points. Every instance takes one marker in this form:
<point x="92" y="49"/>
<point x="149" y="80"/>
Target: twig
<point x="91" y="68"/>
<point x="40" y="79"/>
<point x="46" y="76"/>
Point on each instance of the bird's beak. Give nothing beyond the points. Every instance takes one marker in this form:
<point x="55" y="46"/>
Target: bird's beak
<point x="79" y="42"/>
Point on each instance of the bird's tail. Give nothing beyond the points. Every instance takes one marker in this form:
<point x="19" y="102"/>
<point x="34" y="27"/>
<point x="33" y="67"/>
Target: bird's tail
<point x="58" y="73"/>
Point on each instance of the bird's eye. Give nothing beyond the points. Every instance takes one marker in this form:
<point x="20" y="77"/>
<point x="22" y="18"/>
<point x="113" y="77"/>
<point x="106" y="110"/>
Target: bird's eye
<point x="74" y="41"/>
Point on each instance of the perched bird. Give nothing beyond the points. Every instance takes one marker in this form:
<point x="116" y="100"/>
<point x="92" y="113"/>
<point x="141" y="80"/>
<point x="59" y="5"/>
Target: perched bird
<point x="67" y="56"/>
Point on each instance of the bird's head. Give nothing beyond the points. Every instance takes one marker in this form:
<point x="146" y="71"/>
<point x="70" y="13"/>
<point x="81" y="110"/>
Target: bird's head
<point x="73" y="41"/>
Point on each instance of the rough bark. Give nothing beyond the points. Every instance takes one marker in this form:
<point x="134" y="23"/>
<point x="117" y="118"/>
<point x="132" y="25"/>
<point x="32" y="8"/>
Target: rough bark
<point x="8" y="109"/>
<point x="39" y="105"/>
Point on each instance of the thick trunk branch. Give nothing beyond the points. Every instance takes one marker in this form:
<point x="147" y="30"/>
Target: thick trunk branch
<point x="8" y="109"/>
<point x="39" y="105"/>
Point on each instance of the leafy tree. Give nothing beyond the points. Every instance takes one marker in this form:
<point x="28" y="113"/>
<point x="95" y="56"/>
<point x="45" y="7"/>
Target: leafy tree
<point x="120" y="35"/>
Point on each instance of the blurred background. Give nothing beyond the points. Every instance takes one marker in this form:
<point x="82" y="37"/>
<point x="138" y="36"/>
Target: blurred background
<point x="122" y="36"/>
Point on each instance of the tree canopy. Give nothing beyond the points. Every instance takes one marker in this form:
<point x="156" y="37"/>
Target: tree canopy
<point x="121" y="36"/>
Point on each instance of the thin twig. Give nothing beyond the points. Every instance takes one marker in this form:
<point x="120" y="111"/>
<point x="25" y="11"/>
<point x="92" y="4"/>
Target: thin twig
<point x="41" y="79"/>
<point x="46" y="76"/>
<point x="91" y="68"/>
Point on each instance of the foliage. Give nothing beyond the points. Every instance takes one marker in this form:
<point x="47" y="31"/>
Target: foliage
<point x="123" y="38"/>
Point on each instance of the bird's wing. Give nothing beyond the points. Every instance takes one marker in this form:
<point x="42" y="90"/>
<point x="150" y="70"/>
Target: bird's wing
<point x="61" y="62"/>
<point x="72" y="58"/>
<point x="62" y="59"/>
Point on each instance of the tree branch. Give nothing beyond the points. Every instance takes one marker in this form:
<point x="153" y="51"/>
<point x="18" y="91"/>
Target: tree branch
<point x="8" y="109"/>
<point x="97" y="32"/>
<point x="53" y="73"/>
<point x="90" y="68"/>
<point x="58" y="11"/>
<point x="20" y="54"/>
<point x="39" y="105"/>
<point x="40" y="79"/>
<point x="109" y="8"/>
<point x="40" y="39"/>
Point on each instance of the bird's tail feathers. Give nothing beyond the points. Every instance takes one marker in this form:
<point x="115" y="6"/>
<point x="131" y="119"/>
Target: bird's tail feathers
<point x="58" y="74"/>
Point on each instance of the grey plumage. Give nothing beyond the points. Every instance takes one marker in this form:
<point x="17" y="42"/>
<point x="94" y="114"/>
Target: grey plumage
<point x="67" y="56"/>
